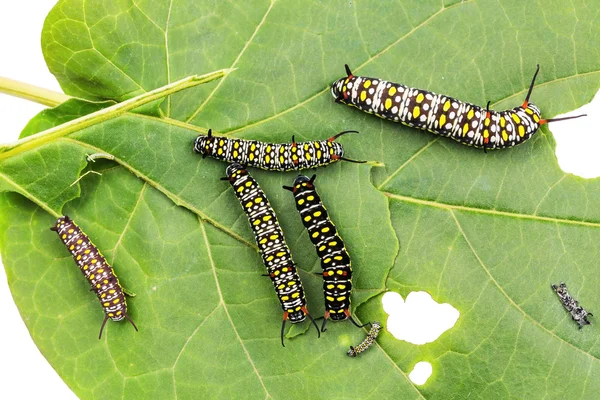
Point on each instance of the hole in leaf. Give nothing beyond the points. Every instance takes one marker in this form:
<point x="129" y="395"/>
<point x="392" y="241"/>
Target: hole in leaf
<point x="420" y="373"/>
<point x="577" y="140"/>
<point x="420" y="319"/>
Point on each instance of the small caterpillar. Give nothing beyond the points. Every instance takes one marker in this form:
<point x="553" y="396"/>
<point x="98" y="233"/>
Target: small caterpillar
<point x="335" y="260"/>
<point x="578" y="313"/>
<point x="96" y="269"/>
<point x="271" y="243"/>
<point x="464" y="122"/>
<point x="272" y="156"/>
<point x="369" y="340"/>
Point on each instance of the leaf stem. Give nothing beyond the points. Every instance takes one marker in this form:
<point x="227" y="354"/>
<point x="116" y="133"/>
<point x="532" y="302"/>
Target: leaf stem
<point x="30" y="92"/>
<point x="114" y="111"/>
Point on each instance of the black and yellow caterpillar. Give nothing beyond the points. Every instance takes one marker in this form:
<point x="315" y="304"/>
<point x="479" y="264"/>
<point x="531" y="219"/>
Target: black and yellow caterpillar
<point x="335" y="260"/>
<point x="272" y="156"/>
<point x="464" y="122"/>
<point x="96" y="269"/>
<point x="271" y="243"/>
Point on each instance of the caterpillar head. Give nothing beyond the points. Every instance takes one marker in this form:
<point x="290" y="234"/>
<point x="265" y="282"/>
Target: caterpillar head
<point x="296" y="316"/>
<point x="301" y="183"/>
<point x="60" y="221"/>
<point x="235" y="170"/>
<point x="203" y="144"/>
<point x="339" y="88"/>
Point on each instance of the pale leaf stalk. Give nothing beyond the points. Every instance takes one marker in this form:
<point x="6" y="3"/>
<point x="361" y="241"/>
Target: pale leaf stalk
<point x="33" y="93"/>
<point x="105" y="114"/>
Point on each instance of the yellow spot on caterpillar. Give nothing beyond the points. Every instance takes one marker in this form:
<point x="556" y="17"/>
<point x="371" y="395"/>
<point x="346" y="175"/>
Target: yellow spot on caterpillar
<point x="101" y="270"/>
<point x="106" y="304"/>
<point x="268" y="158"/>
<point x="298" y="308"/>
<point x="240" y="189"/>
<point x="72" y="247"/>
<point x="256" y="222"/>
<point x="341" y="298"/>
<point x="221" y="142"/>
<point x="106" y="281"/>
<point x="251" y="156"/>
<point x="305" y="146"/>
<point x="319" y="153"/>
<point x="447" y="105"/>
<point x="98" y="286"/>
<point x="340" y="286"/>
<point x="392" y="91"/>
<point x="87" y="251"/>
<point x="64" y="236"/>
<point x="281" y="159"/>
<point x="71" y="231"/>
<point x="282" y="149"/>
<point x="235" y="153"/>
<point x="367" y="83"/>
<point x="295" y="295"/>
<point x="270" y="258"/>
<point x="337" y="257"/>
<point x="325" y="230"/>
<point x="329" y="273"/>
<point x="504" y="135"/>
<point x="486" y="133"/>
<point x="307" y="218"/>
<point x="470" y="113"/>
<point x="329" y="298"/>
<point x="307" y="155"/>
<point x="363" y="95"/>
<point x="416" y="112"/>
<point x="284" y="269"/>
<point x="281" y="286"/>
<point x="118" y="312"/>
<point x="269" y="148"/>
<point x="236" y="145"/>
<point x="111" y="314"/>
<point x="315" y="234"/>
<point x="220" y="151"/>
<point x="442" y="120"/>
<point x="115" y="301"/>
<point x="340" y="272"/>
<point x="281" y="254"/>
<point x="310" y="198"/>
<point x="420" y="97"/>
<point x="248" y="184"/>
<point x="516" y="118"/>
<point x="317" y="214"/>
<point x="291" y="283"/>
<point x="332" y="243"/>
<point x="487" y="122"/>
<point x="111" y="291"/>
<point x="266" y="217"/>
<point x="322" y="248"/>
<point x="79" y="257"/>
<point x="528" y="111"/>
<point x="85" y="267"/>
<point x="465" y="129"/>
<point x="521" y="131"/>
<point x="502" y="122"/>
<point x="327" y="260"/>
<point x="301" y="201"/>
<point x="249" y="204"/>
<point x="273" y="237"/>
<point x="388" y="103"/>
<point x="536" y="118"/>
<point x="276" y="273"/>
<point x="263" y="241"/>
<point x="258" y="200"/>
<point x="103" y="295"/>
<point x="79" y="241"/>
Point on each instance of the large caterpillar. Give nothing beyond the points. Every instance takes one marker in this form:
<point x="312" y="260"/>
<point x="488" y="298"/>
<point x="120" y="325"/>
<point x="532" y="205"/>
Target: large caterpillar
<point x="368" y="342"/>
<point x="335" y="260"/>
<point x="271" y="243"/>
<point x="578" y="313"/>
<point x="272" y="156"/>
<point x="96" y="269"/>
<point x="466" y="123"/>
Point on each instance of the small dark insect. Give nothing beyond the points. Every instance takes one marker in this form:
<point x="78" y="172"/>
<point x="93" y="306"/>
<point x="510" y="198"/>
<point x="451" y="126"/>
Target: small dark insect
<point x="578" y="313"/>
<point x="272" y="156"/>
<point x="271" y="243"/>
<point x="96" y="269"/>
<point x="335" y="260"/>
<point x="369" y="340"/>
<point x="464" y="122"/>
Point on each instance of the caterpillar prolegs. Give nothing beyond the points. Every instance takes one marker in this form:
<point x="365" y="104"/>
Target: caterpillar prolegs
<point x="271" y="243"/>
<point x="272" y="156"/>
<point x="96" y="269"/>
<point x="464" y="122"/>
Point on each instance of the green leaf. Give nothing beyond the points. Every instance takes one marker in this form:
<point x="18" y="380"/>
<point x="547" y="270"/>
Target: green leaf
<point x="486" y="233"/>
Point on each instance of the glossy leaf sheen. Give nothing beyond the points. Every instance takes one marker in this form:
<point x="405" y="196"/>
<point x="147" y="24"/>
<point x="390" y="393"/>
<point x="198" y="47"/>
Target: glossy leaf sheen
<point x="485" y="233"/>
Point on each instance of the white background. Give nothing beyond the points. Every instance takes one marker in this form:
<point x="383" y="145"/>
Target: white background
<point x="25" y="373"/>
